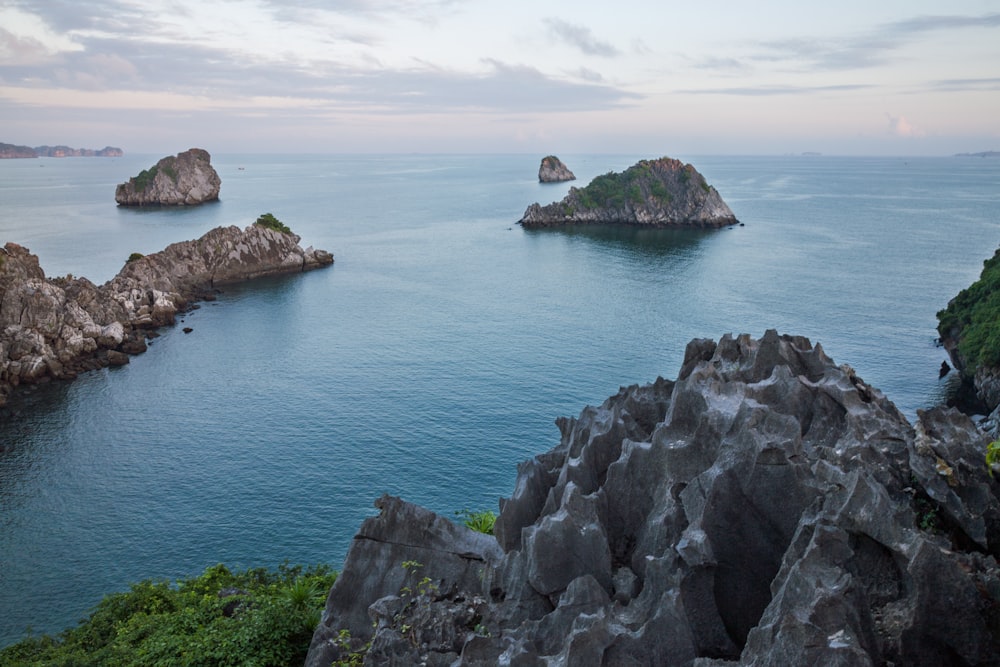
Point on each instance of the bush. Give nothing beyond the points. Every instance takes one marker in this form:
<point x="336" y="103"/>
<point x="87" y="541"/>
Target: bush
<point x="481" y="522"/>
<point x="271" y="222"/>
<point x="134" y="256"/>
<point x="973" y="318"/>
<point x="145" y="177"/>
<point x="257" y="617"/>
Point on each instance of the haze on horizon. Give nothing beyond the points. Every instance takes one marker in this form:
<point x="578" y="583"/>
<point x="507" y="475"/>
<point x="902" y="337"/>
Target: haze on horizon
<point x="471" y="76"/>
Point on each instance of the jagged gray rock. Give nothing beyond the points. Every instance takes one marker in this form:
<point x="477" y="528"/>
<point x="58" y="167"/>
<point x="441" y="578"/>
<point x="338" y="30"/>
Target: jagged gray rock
<point x="766" y="508"/>
<point x="552" y="170"/>
<point x="187" y="179"/>
<point x="651" y="193"/>
<point x="59" y="327"/>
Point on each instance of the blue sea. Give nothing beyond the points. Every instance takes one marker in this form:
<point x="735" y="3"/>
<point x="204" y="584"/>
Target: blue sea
<point x="439" y="349"/>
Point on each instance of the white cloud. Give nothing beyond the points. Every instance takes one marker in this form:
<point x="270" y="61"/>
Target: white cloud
<point x="901" y="127"/>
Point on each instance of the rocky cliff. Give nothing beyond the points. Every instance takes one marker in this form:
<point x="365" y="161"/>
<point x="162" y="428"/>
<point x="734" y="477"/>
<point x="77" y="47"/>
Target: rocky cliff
<point x="766" y="508"/>
<point x="968" y="327"/>
<point x="56" y="328"/>
<point x="651" y="193"/>
<point x="13" y="151"/>
<point x="552" y="170"/>
<point x="186" y="179"/>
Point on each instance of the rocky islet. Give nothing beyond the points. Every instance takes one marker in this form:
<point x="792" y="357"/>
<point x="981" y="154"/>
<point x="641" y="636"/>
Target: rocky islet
<point x="552" y="170"/>
<point x="55" y="328"/>
<point x="651" y="193"/>
<point x="186" y="179"/>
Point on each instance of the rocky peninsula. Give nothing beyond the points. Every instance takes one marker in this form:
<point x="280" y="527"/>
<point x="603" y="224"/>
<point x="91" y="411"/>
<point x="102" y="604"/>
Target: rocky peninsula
<point x="651" y="193"/>
<point x="552" y="170"/>
<point x="55" y="328"/>
<point x="767" y="507"/>
<point x="187" y="179"/>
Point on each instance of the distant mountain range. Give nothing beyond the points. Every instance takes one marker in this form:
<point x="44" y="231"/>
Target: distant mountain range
<point x="12" y="151"/>
<point x="982" y="154"/>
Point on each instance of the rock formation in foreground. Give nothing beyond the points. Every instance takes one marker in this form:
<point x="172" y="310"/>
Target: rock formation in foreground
<point x="187" y="179"/>
<point x="766" y="508"/>
<point x="55" y="328"/>
<point x="552" y="170"/>
<point x="651" y="193"/>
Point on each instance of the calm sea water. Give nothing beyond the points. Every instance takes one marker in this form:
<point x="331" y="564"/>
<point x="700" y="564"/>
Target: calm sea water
<point x="436" y="353"/>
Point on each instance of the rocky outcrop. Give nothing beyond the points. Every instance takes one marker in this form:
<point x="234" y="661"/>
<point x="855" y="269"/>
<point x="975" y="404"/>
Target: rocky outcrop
<point x="651" y="193"/>
<point x="766" y="508"/>
<point x="552" y="170"/>
<point x="187" y="179"/>
<point x="56" y="328"/>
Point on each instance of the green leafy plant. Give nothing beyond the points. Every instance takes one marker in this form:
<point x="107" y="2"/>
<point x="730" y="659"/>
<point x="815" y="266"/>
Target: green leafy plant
<point x="134" y="256"/>
<point x="481" y="522"/>
<point x="271" y="222"/>
<point x="220" y="618"/>
<point x="992" y="455"/>
<point x="145" y="177"/>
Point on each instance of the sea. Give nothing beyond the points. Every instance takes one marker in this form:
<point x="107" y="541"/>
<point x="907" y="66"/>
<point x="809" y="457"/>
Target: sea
<point x="439" y="349"/>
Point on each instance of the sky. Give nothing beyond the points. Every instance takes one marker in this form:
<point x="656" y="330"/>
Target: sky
<point x="771" y="77"/>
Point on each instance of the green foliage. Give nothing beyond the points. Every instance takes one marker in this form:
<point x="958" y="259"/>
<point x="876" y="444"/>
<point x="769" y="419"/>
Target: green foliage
<point x="258" y="617"/>
<point x="992" y="455"/>
<point x="168" y="169"/>
<point x="271" y="222"/>
<point x="973" y="317"/>
<point x="145" y="178"/>
<point x="632" y="186"/>
<point x="481" y="522"/>
<point x="134" y="256"/>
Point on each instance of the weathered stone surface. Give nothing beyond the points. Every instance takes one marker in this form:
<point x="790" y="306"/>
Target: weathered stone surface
<point x="651" y="193"/>
<point x="186" y="179"/>
<point x="766" y="508"/>
<point x="59" y="327"/>
<point x="552" y="170"/>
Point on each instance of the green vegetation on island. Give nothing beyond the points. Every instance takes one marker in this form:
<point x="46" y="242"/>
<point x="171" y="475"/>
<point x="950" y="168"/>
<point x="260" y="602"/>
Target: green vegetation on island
<point x="271" y="222"/>
<point x="613" y="189"/>
<point x="220" y="618"/>
<point x="973" y="319"/>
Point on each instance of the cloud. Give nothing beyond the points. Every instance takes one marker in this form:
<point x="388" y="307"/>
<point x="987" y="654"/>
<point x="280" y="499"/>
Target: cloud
<point x="767" y="91"/>
<point x="953" y="85"/>
<point x="901" y="127"/>
<point x="581" y="38"/>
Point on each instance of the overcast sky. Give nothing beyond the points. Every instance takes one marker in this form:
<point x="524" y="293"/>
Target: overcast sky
<point x="897" y="77"/>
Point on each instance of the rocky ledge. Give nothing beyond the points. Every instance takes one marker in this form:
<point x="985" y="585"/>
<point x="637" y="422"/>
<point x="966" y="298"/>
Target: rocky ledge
<point x="55" y="328"/>
<point x="552" y="170"/>
<point x="651" y="193"/>
<point x="766" y="508"/>
<point x="187" y="179"/>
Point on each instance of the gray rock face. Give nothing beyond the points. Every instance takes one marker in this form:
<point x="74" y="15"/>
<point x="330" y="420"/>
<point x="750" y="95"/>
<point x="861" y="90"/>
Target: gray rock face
<point x="186" y="179"/>
<point x="59" y="327"/>
<point x="552" y="170"/>
<point x="766" y="508"/>
<point x="651" y="193"/>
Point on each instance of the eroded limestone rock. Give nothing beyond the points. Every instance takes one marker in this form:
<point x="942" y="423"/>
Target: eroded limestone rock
<point x="766" y="508"/>
<point x="552" y="170"/>
<point x="187" y="179"/>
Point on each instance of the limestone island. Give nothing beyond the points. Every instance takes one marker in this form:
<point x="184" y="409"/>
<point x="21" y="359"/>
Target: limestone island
<point x="651" y="193"/>
<point x="552" y="170"/>
<point x="55" y="328"/>
<point x="187" y="179"/>
<point x="767" y="507"/>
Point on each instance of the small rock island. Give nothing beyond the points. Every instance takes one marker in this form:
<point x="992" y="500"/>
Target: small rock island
<point x="187" y="179"/>
<point x="552" y="170"/>
<point x="55" y="328"/>
<point x="651" y="193"/>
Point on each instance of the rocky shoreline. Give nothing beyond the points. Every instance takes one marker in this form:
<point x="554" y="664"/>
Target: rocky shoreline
<point x="651" y="193"/>
<point x="55" y="328"/>
<point x="766" y="508"/>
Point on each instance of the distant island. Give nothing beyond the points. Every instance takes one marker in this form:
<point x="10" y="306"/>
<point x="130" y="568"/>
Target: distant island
<point x="186" y="179"/>
<point x="980" y="154"/>
<point x="8" y="151"/>
<point x="651" y="193"/>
